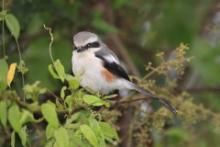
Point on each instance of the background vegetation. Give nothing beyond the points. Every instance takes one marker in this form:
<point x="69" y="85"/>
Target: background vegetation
<point x="171" y="48"/>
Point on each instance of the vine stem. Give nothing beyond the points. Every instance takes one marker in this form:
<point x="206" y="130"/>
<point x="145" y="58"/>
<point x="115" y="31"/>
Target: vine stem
<point x="20" y="60"/>
<point x="51" y="42"/>
<point x="19" y="51"/>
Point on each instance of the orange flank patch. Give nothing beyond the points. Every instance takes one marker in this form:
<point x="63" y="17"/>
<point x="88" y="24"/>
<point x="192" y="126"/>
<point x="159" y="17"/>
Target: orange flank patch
<point x="108" y="75"/>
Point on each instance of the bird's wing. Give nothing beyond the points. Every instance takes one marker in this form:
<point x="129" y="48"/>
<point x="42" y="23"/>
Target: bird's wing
<point x="111" y="63"/>
<point x="108" y="54"/>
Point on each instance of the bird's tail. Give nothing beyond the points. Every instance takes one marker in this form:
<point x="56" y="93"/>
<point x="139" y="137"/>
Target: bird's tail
<point x="163" y="101"/>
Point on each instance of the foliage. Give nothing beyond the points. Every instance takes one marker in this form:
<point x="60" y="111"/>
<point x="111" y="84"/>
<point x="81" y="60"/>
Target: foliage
<point x="41" y="104"/>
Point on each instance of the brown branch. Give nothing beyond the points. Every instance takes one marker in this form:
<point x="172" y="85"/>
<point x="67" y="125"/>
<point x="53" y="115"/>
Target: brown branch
<point x="116" y="44"/>
<point x="203" y="89"/>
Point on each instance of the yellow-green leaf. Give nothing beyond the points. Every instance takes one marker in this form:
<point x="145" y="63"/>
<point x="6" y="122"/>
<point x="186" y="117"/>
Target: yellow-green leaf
<point x="62" y="92"/>
<point x="26" y="117"/>
<point x="69" y="100"/>
<point x="3" y="74"/>
<point x="89" y="135"/>
<point x="49" y="112"/>
<point x="3" y="113"/>
<point x="60" y="70"/>
<point x="62" y="137"/>
<point x="13" y="139"/>
<point x="52" y="72"/>
<point x="11" y="73"/>
<point x="23" y="136"/>
<point x="13" y="25"/>
<point x="72" y="81"/>
<point x="14" y="116"/>
<point x="108" y="130"/>
<point x="50" y="131"/>
<point x="94" y="124"/>
<point x="94" y="100"/>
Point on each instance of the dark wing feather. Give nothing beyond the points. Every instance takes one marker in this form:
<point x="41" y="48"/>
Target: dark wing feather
<point x="112" y="66"/>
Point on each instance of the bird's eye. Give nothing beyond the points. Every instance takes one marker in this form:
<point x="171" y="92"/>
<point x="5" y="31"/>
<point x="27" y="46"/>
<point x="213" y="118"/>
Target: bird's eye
<point x="75" y="48"/>
<point x="93" y="45"/>
<point x="88" y="45"/>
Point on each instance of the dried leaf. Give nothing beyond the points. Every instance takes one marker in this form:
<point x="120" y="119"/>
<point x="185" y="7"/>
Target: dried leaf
<point x="11" y="73"/>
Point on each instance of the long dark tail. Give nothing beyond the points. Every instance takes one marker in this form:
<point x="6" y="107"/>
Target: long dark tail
<point x="163" y="101"/>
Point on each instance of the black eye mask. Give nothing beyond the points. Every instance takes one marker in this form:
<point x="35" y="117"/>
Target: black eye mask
<point x="87" y="46"/>
<point x="93" y="44"/>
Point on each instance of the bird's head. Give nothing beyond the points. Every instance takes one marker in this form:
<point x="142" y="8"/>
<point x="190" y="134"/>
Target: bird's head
<point x="86" y="40"/>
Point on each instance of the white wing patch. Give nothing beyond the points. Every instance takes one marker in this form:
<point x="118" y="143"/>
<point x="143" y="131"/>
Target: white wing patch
<point x="110" y="58"/>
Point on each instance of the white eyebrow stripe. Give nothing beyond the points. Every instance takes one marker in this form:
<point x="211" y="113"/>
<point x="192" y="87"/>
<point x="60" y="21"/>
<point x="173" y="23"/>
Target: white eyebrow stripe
<point x="90" y="40"/>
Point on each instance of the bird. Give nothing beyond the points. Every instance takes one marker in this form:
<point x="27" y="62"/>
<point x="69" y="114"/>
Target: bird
<point x="100" y="69"/>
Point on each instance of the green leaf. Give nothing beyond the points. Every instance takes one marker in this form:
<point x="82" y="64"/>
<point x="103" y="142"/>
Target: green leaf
<point x="62" y="92"/>
<point x="50" y="131"/>
<point x="13" y="139"/>
<point x="93" y="123"/>
<point x="49" y="112"/>
<point x="72" y="81"/>
<point x="73" y="118"/>
<point x="89" y="135"/>
<point x="60" y="70"/>
<point x="23" y="136"/>
<point x="108" y="130"/>
<point x="52" y="72"/>
<point x="94" y="101"/>
<point x="3" y="113"/>
<point x="3" y="74"/>
<point x="14" y="116"/>
<point x="13" y="25"/>
<point x="69" y="100"/>
<point x="62" y="137"/>
<point x="50" y="143"/>
<point x="76" y="140"/>
<point x="26" y="116"/>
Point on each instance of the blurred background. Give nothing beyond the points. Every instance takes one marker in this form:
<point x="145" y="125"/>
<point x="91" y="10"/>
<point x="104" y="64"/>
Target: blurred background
<point x="136" y="30"/>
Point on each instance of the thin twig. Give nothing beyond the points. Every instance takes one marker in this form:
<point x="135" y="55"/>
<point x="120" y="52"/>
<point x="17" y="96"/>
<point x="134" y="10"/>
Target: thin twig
<point x="151" y="73"/>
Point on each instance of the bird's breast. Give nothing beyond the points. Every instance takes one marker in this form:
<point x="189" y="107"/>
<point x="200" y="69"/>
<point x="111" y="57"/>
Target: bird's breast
<point x="83" y="62"/>
<point x="92" y="73"/>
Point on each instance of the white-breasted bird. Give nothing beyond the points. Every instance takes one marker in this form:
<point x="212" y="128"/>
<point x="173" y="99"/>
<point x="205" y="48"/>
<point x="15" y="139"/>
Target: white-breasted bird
<point x="100" y="70"/>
